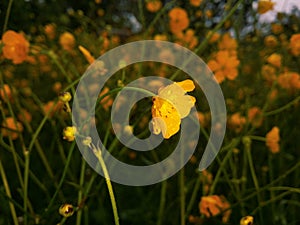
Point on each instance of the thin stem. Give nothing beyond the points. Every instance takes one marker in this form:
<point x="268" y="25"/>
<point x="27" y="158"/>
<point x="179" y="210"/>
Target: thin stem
<point x="98" y="154"/>
<point x="7" y="190"/>
<point x="162" y="203"/>
<point x="7" y="15"/>
<point x="71" y="150"/>
<point x="80" y="193"/>
<point x="247" y="144"/>
<point x="26" y="175"/>
<point x="288" y="105"/>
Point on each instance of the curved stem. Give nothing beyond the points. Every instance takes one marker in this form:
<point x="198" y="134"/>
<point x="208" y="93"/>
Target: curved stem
<point x="98" y="154"/>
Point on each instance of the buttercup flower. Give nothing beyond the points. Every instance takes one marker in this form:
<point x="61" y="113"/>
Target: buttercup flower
<point x="213" y="205"/>
<point x="66" y="210"/>
<point x="16" y="47"/>
<point x="69" y="133"/>
<point x="153" y="5"/>
<point x="272" y="139"/>
<point x="247" y="220"/>
<point x="265" y="6"/>
<point x="179" y="20"/>
<point x="170" y="106"/>
<point x="11" y="128"/>
<point x="224" y="66"/>
<point x="187" y="39"/>
<point x="67" y="41"/>
<point x="295" y="44"/>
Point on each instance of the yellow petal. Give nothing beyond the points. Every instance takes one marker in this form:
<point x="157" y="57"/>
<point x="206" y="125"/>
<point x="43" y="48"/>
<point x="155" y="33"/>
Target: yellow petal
<point x="187" y="85"/>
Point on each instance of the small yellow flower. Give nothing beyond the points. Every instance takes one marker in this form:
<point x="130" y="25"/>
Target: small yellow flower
<point x="87" y="141"/>
<point x="66" y="210"/>
<point x="247" y="220"/>
<point x="69" y="133"/>
<point x="65" y="97"/>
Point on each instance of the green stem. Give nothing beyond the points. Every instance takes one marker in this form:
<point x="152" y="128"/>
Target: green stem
<point x="194" y="195"/>
<point x="71" y="150"/>
<point x="7" y="15"/>
<point x="162" y="203"/>
<point x="288" y="105"/>
<point x="26" y="175"/>
<point x="7" y="190"/>
<point x="247" y="144"/>
<point x="98" y="154"/>
<point x="80" y="193"/>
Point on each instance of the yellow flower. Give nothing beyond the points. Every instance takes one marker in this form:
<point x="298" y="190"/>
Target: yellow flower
<point x="272" y="139"/>
<point x="255" y="116"/>
<point x="50" y="31"/>
<point x="66" y="210"/>
<point x="67" y="41"/>
<point x="69" y="133"/>
<point x="289" y="81"/>
<point x="274" y="60"/>
<point x="65" y="97"/>
<point x="170" y="106"/>
<point x="247" y="220"/>
<point x="16" y="47"/>
<point x="213" y="205"/>
<point x="265" y="6"/>
<point x="295" y="44"/>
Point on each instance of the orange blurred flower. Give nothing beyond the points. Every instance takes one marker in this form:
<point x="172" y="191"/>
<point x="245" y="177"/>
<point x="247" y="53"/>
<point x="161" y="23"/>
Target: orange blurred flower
<point x="16" y="47"/>
<point x="227" y="43"/>
<point x="236" y="122"/>
<point x="86" y="54"/>
<point x="50" y="31"/>
<point x="170" y="106"/>
<point x="274" y="60"/>
<point x="272" y="139"/>
<point x="187" y="39"/>
<point x="178" y="20"/>
<point x="289" y="81"/>
<point x="224" y="66"/>
<point x="215" y="36"/>
<point x="265" y="6"/>
<point x="51" y="108"/>
<point x="295" y="44"/>
<point x="213" y="205"/>
<point x="24" y="115"/>
<point x="153" y="5"/>
<point x="277" y="28"/>
<point x="255" y="116"/>
<point x="269" y="73"/>
<point x="67" y="41"/>
<point x="6" y="93"/>
<point x="107" y="101"/>
<point x="270" y="41"/>
<point x="195" y="3"/>
<point x="11" y="128"/>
